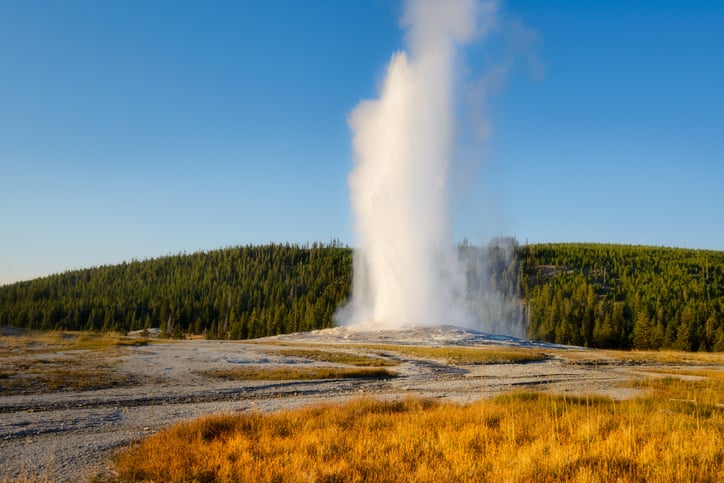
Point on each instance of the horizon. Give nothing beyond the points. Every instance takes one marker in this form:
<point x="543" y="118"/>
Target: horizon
<point x="133" y="130"/>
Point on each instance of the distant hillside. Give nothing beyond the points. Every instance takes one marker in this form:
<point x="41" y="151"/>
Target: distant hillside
<point x="609" y="296"/>
<point x="240" y="292"/>
<point x="621" y="296"/>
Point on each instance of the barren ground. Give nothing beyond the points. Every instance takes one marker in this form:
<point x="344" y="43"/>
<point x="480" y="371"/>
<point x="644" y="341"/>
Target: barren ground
<point x="71" y="433"/>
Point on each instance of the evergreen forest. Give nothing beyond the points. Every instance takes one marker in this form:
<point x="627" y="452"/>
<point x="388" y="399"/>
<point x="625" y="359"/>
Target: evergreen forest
<point x="236" y="293"/>
<point x="620" y="296"/>
<point x="593" y="295"/>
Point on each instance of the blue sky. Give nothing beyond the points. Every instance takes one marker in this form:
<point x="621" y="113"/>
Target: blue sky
<point x="135" y="129"/>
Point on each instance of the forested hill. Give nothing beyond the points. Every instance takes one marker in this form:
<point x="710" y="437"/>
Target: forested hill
<point x="240" y="292"/>
<point x="621" y="296"/>
<point x="613" y="296"/>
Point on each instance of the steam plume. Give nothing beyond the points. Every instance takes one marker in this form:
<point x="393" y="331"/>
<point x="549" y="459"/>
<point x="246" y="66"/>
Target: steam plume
<point x="406" y="267"/>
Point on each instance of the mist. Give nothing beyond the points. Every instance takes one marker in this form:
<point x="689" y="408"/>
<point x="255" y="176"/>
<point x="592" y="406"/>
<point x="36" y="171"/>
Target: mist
<point x="407" y="270"/>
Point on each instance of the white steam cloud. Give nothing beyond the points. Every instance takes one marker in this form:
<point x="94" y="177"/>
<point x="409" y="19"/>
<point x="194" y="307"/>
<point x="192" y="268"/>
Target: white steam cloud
<point x="406" y="268"/>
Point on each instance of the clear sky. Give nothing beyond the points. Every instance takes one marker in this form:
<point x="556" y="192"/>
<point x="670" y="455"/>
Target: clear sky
<point x="135" y="129"/>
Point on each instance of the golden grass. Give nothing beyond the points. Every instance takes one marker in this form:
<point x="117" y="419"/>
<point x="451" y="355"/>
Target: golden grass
<point x="336" y="357"/>
<point x="284" y="373"/>
<point x="706" y="393"/>
<point x="515" y="437"/>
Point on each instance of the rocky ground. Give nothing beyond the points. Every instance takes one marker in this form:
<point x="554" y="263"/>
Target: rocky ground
<point x="71" y="435"/>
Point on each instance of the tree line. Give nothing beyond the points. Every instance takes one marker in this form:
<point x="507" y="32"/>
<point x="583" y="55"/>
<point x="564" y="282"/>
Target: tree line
<point x="593" y="295"/>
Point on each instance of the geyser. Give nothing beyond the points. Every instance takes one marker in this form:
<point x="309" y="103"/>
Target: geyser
<point x="406" y="267"/>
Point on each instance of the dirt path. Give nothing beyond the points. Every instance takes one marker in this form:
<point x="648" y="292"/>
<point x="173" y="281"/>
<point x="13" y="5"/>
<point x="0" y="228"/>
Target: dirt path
<point x="71" y="435"/>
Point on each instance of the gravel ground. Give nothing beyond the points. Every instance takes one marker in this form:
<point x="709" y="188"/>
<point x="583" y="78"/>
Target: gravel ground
<point x="72" y="435"/>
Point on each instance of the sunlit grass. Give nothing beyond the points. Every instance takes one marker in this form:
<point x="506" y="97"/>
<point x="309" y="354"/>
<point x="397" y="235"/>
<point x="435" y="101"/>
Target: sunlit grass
<point x="706" y="392"/>
<point x="514" y="437"/>
<point x="284" y="373"/>
<point x="336" y="357"/>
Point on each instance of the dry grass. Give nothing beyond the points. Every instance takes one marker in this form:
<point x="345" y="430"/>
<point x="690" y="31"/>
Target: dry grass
<point x="40" y="362"/>
<point x="638" y="358"/>
<point x="335" y="357"/>
<point x="284" y="373"/>
<point x="697" y="373"/>
<point x="705" y="392"/>
<point x="42" y="380"/>
<point x="31" y="342"/>
<point x="75" y="372"/>
<point x="454" y="355"/>
<point x="515" y="437"/>
<point x="461" y="356"/>
<point x="668" y="357"/>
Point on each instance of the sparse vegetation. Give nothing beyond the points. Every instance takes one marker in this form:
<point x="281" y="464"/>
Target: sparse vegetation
<point x="336" y="357"/>
<point x="285" y="373"/>
<point x="26" y="342"/>
<point x="38" y="362"/>
<point x="668" y="357"/>
<point x="453" y="355"/>
<point x="66" y="376"/>
<point x="461" y="356"/>
<point x="710" y="373"/>
<point x="641" y="358"/>
<point x="514" y="437"/>
<point x="458" y="356"/>
<point x="705" y="391"/>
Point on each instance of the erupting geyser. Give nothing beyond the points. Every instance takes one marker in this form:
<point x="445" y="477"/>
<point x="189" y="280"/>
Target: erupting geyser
<point x="406" y="267"/>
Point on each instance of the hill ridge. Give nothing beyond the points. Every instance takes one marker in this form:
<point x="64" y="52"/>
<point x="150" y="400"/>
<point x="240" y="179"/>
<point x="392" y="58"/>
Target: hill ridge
<point x="590" y="294"/>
